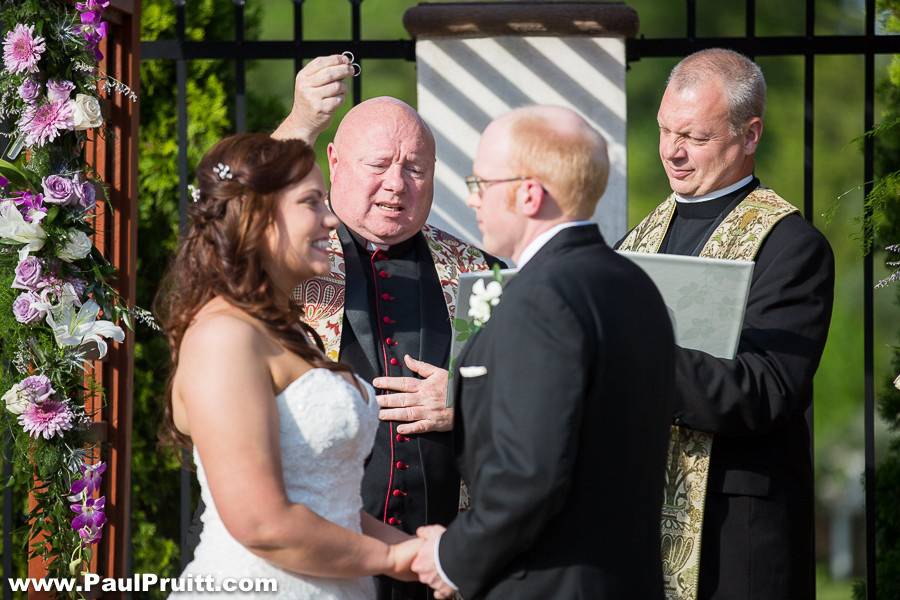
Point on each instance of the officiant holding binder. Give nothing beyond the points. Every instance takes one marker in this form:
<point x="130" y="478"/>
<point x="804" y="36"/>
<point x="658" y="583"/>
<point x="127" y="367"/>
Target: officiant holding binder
<point x="742" y="437"/>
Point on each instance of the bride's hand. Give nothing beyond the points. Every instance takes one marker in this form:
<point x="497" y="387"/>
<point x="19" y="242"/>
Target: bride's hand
<point x="401" y="557"/>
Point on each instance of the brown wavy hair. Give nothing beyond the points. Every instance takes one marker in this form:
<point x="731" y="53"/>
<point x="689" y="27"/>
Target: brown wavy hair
<point x="220" y="253"/>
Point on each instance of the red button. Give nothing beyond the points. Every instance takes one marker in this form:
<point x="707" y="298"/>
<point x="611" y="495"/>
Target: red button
<point x="395" y="362"/>
<point x="389" y="341"/>
<point x="401" y="438"/>
<point x="388" y="320"/>
<point x="401" y="465"/>
<point x="398" y="493"/>
<point x="383" y="274"/>
<point x="394" y="521"/>
<point x="386" y="297"/>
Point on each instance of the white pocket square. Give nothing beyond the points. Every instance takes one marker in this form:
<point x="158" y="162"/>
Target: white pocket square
<point x="472" y="371"/>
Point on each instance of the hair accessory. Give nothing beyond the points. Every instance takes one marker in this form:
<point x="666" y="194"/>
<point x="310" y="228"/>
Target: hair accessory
<point x="356" y="68"/>
<point x="194" y="192"/>
<point x="223" y="172"/>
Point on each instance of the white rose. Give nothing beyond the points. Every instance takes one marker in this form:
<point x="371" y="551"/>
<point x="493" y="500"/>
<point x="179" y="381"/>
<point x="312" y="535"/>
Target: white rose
<point x="16" y="403"/>
<point x="78" y="245"/>
<point x="86" y="112"/>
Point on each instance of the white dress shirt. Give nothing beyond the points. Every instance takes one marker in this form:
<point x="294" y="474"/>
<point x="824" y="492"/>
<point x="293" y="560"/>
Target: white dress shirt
<point x="541" y="240"/>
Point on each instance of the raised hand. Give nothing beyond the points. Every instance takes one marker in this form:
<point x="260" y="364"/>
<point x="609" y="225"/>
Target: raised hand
<point x="318" y="92"/>
<point x="421" y="403"/>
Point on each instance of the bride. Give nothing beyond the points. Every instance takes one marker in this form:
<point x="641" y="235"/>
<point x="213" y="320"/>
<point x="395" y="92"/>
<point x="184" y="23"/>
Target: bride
<point x="279" y="433"/>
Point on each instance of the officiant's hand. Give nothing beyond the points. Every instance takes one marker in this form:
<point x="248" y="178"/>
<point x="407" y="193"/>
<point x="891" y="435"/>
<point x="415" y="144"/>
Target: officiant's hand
<point x="318" y="92"/>
<point x="420" y="403"/>
<point x="424" y="565"/>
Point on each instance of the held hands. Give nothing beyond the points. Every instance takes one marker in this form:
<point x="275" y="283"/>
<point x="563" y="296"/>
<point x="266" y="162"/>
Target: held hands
<point x="401" y="557"/>
<point x="421" y="403"/>
<point x="424" y="565"/>
<point x="318" y="92"/>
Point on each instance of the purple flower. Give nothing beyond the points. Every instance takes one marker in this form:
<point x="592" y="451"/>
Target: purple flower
<point x="59" y="90"/>
<point x="90" y="535"/>
<point x="92" y="5"/>
<point x="90" y="512"/>
<point x="42" y="124"/>
<point x="3" y="181"/>
<point x="37" y="388"/>
<point x="28" y="274"/>
<point x="25" y="310"/>
<point x="47" y="419"/>
<point x="31" y="206"/>
<point x="90" y="481"/>
<point x="85" y="192"/>
<point x="22" y="49"/>
<point x="58" y="190"/>
<point x="29" y="90"/>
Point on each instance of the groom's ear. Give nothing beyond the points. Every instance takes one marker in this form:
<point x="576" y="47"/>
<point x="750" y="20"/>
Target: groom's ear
<point x="530" y="197"/>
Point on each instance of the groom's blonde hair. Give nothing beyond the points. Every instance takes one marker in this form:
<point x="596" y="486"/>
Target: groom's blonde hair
<point x="560" y="149"/>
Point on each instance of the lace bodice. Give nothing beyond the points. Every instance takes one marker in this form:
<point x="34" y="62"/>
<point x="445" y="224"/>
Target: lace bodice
<point x="326" y="431"/>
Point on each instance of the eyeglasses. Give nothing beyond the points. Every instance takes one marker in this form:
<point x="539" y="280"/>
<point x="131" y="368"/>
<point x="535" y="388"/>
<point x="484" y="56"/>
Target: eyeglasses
<point x="477" y="185"/>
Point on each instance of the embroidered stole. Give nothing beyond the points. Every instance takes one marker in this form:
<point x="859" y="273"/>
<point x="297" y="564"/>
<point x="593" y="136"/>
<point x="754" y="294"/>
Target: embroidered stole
<point x="322" y="298"/>
<point x="738" y="237"/>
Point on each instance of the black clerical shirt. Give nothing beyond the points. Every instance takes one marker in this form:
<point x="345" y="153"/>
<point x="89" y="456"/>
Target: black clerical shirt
<point x="694" y="222"/>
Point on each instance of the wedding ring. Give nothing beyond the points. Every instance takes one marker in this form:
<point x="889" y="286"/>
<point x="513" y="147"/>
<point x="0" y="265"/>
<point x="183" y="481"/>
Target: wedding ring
<point x="349" y="56"/>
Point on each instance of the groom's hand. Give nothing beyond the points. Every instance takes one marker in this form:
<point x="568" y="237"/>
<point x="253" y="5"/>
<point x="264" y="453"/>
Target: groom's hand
<point x="424" y="565"/>
<point x="420" y="403"/>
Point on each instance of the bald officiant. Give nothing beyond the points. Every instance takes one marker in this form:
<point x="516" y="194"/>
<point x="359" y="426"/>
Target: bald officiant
<point x="745" y="415"/>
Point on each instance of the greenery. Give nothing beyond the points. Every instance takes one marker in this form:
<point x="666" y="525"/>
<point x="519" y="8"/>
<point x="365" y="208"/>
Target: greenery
<point x="883" y="202"/>
<point x="54" y="285"/>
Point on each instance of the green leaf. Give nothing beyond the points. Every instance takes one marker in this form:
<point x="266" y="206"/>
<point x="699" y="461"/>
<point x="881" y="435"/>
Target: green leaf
<point x="15" y="174"/>
<point x="461" y="325"/>
<point x="51" y="214"/>
<point x="463" y="337"/>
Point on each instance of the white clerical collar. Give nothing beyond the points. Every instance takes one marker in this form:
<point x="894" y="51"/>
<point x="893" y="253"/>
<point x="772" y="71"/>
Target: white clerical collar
<point x="539" y="242"/>
<point x="372" y="246"/>
<point x="716" y="194"/>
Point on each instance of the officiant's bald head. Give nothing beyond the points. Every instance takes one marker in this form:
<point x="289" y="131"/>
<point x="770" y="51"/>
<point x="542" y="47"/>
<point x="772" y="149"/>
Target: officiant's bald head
<point x="381" y="165"/>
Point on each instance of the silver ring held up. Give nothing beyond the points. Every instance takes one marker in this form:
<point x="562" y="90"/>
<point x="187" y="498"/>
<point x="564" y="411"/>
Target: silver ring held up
<point x="349" y="56"/>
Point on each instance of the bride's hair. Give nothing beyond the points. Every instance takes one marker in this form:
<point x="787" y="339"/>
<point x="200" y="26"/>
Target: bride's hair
<point x="220" y="252"/>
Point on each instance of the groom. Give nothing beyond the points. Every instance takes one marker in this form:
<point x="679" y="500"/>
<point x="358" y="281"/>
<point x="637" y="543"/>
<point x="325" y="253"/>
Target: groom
<point x="563" y="398"/>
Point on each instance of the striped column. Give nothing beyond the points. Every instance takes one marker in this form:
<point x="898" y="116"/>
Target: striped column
<point x="477" y="61"/>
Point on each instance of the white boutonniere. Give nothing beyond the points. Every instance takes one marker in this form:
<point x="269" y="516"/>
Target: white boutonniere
<point x="485" y="296"/>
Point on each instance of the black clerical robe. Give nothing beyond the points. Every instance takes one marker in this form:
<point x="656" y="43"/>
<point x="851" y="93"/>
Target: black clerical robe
<point x="757" y="540"/>
<point x="394" y="305"/>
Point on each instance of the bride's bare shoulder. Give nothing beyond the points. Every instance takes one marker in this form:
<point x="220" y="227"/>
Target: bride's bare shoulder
<point x="220" y="328"/>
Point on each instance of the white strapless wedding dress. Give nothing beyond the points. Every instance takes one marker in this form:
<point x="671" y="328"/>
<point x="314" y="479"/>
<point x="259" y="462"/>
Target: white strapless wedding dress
<point x="326" y="432"/>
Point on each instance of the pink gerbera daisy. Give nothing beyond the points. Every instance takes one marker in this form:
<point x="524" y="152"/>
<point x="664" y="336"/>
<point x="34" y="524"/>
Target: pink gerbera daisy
<point x="42" y="124"/>
<point x="47" y="418"/>
<point x="22" y="49"/>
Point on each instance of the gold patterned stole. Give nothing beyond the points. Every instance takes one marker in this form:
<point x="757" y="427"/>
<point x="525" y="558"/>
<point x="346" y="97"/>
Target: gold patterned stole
<point x="322" y="298"/>
<point x="738" y="237"/>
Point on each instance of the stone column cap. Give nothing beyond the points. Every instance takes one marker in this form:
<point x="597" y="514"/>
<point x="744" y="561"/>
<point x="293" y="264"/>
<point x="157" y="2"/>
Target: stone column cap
<point x="523" y="18"/>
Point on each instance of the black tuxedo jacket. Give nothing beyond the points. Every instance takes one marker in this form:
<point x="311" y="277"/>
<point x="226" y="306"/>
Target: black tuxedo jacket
<point x="563" y="441"/>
